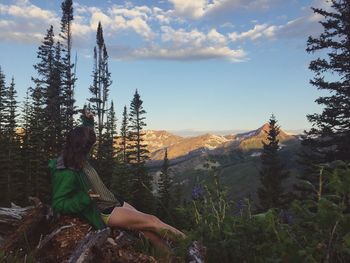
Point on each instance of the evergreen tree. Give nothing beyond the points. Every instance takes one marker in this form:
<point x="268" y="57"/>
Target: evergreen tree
<point x="100" y="87"/>
<point x="43" y="136"/>
<point x="330" y="134"/>
<point x="137" y="156"/>
<point x="45" y="66"/>
<point x="25" y="146"/>
<point x="3" y="92"/>
<point x="11" y="176"/>
<point x="272" y="175"/>
<point x="53" y="118"/>
<point x="4" y="199"/>
<point x="121" y="180"/>
<point x="13" y="146"/>
<point x="108" y="151"/>
<point x="165" y="185"/>
<point x="39" y="180"/>
<point x="68" y="77"/>
<point x="329" y="137"/>
<point x="48" y="81"/>
<point x="123" y="137"/>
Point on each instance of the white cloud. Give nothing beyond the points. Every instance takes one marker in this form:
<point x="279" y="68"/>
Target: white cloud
<point x="182" y="37"/>
<point x="24" y="9"/>
<point x="98" y="16"/>
<point x="301" y="27"/>
<point x="196" y="9"/>
<point x="186" y="53"/>
<point x="140" y="27"/>
<point x="190" y="9"/>
<point x="24" y="22"/>
<point x="215" y="37"/>
<point x="259" y="31"/>
<point x="182" y="44"/>
<point x="138" y="11"/>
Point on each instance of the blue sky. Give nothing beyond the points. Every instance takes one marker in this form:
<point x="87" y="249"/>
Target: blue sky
<point x="198" y="65"/>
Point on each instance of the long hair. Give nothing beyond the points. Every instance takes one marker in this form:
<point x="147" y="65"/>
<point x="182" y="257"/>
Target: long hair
<point x="78" y="145"/>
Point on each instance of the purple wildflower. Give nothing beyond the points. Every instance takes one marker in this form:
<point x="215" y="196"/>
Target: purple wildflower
<point x="197" y="192"/>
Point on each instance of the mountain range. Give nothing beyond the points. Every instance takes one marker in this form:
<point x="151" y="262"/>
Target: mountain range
<point x="235" y="157"/>
<point x="179" y="146"/>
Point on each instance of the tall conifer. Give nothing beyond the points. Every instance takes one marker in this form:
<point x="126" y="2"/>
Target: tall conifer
<point x="4" y="199"/>
<point x="329" y="137"/>
<point x="123" y="137"/>
<point x="331" y="130"/>
<point x="165" y="185"/>
<point x="14" y="170"/>
<point x="68" y="78"/>
<point x="108" y="159"/>
<point x="138" y="155"/>
<point x="100" y="87"/>
<point x="272" y="174"/>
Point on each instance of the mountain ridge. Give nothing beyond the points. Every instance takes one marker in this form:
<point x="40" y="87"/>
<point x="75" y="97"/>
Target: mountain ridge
<point x="179" y="146"/>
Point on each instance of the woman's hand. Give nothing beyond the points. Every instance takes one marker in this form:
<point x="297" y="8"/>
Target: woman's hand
<point x="93" y="195"/>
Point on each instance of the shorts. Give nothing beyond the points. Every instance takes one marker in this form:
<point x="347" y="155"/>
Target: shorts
<point x="106" y="213"/>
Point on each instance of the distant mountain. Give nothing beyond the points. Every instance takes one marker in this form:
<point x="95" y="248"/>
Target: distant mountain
<point x="156" y="140"/>
<point x="193" y="133"/>
<point x="253" y="139"/>
<point x="188" y="145"/>
<point x="180" y="147"/>
<point x="237" y="157"/>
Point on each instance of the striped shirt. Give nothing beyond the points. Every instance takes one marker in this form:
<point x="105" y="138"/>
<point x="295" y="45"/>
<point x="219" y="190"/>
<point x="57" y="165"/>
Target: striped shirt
<point x="107" y="198"/>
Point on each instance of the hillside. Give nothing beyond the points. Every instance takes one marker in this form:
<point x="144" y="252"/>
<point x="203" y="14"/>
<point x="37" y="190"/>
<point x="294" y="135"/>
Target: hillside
<point x="188" y="147"/>
<point x="236" y="156"/>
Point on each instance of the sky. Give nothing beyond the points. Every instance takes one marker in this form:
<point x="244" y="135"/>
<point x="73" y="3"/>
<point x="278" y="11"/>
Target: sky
<point x="198" y="65"/>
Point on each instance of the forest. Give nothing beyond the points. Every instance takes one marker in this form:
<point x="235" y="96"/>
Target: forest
<point x="309" y="222"/>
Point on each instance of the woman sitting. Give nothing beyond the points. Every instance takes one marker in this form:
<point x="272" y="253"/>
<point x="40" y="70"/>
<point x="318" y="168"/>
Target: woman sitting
<point x="77" y="189"/>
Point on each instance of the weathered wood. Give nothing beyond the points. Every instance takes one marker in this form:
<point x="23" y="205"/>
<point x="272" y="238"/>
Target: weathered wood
<point x="43" y="242"/>
<point x="196" y="253"/>
<point x="28" y="221"/>
<point x="82" y="254"/>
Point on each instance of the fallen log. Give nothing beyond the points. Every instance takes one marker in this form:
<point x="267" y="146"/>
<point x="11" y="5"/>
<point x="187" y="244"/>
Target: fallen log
<point x="93" y="239"/>
<point x="26" y="222"/>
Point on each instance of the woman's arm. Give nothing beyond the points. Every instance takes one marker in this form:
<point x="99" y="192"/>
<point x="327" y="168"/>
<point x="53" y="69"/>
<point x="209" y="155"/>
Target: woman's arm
<point x="66" y="196"/>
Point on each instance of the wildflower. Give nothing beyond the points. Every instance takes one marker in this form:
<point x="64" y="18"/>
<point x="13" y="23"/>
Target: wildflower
<point x="197" y="192"/>
<point x="286" y="217"/>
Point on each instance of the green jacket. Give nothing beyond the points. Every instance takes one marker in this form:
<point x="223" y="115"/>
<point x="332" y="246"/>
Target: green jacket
<point x="69" y="194"/>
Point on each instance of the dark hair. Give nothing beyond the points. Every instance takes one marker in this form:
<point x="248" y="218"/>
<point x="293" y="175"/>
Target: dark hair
<point x="78" y="144"/>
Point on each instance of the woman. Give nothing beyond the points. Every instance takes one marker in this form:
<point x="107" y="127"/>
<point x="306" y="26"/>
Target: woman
<point x="78" y="190"/>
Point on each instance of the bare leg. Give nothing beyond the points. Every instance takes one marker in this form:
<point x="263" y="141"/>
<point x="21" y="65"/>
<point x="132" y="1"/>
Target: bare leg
<point x="154" y="238"/>
<point x="128" y="217"/>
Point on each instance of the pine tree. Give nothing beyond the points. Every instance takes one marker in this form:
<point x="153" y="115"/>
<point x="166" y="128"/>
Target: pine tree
<point x="272" y="174"/>
<point x="25" y="146"/>
<point x="3" y="92"/>
<point x="122" y="179"/>
<point x="100" y="87"/>
<point x="4" y="198"/>
<point x="330" y="134"/>
<point x="68" y="77"/>
<point x="13" y="146"/>
<point x="108" y="152"/>
<point x="329" y="137"/>
<point x="165" y="185"/>
<point x="39" y="180"/>
<point x="137" y="156"/>
<point x="48" y="81"/>
<point x="123" y="137"/>
<point x="53" y="118"/>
